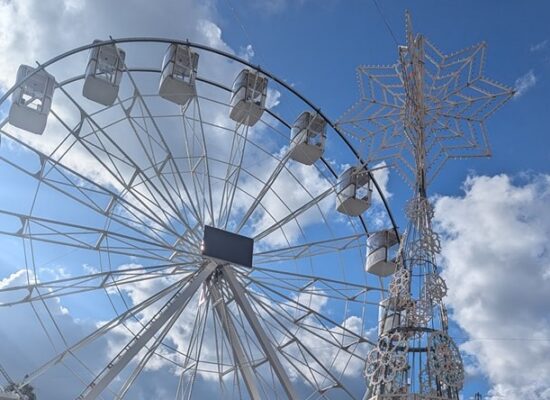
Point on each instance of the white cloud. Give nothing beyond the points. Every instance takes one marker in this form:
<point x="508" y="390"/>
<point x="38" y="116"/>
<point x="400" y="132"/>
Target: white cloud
<point x="272" y="6"/>
<point x="37" y="30"/>
<point x="247" y="53"/>
<point x="524" y="83"/>
<point x="25" y="345"/>
<point x="538" y="46"/>
<point x="497" y="256"/>
<point x="381" y="174"/>
<point x="213" y="35"/>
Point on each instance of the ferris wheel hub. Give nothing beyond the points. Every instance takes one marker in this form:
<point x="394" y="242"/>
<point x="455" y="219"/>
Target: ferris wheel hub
<point x="226" y="247"/>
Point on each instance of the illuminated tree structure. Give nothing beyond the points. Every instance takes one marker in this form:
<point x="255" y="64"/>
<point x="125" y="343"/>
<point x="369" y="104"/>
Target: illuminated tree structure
<point x="415" y="115"/>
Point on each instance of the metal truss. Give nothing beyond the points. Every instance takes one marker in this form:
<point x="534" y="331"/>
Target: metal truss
<point x="110" y="213"/>
<point x="416" y="114"/>
<point x="446" y="97"/>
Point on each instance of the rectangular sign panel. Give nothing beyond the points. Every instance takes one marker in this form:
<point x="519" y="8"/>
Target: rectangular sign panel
<point x="227" y="247"/>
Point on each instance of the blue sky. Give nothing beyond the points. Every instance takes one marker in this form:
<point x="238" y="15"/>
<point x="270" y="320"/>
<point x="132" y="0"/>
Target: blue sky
<point x="316" y="46"/>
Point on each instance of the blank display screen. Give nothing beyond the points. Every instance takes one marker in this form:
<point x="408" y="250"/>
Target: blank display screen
<point x="227" y="246"/>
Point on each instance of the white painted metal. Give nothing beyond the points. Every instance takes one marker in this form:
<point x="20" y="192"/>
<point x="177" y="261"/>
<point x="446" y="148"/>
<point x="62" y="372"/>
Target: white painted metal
<point x="32" y="99"/>
<point x="117" y="321"/>
<point x="388" y="317"/>
<point x="9" y="396"/>
<point x="265" y="189"/>
<point x="354" y="192"/>
<point x="307" y="138"/>
<point x="165" y="185"/>
<point x="293" y="215"/>
<point x="409" y="117"/>
<point x="103" y="73"/>
<point x="239" y="293"/>
<point x="379" y="258"/>
<point x="178" y="301"/>
<point x="241" y="359"/>
<point x="179" y="69"/>
<point x="248" y="97"/>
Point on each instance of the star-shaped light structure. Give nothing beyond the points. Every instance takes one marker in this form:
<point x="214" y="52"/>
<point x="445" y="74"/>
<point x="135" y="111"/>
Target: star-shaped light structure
<point x="425" y="109"/>
<point x="420" y="112"/>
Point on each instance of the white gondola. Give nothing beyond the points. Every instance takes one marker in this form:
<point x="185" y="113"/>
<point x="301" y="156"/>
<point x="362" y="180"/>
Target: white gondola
<point x="103" y="74"/>
<point x="354" y="192"/>
<point x="388" y="317"/>
<point x="379" y="258"/>
<point x="248" y="97"/>
<point x="179" y="69"/>
<point x="308" y="135"/>
<point x="31" y="101"/>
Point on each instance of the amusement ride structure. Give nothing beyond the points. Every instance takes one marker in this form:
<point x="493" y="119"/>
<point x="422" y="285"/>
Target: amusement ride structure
<point x="218" y="228"/>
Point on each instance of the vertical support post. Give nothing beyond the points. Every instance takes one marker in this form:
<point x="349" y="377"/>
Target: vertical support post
<point x="238" y="352"/>
<point x="248" y="311"/>
<point x="179" y="300"/>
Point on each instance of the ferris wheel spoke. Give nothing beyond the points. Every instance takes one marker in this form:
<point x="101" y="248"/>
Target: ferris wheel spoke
<point x="102" y="280"/>
<point x="281" y="325"/>
<point x="137" y="183"/>
<point x="69" y="183"/>
<point x="167" y="191"/>
<point x="170" y="193"/>
<point x="153" y="194"/>
<point x="294" y="302"/>
<point x="165" y="146"/>
<point x="130" y="180"/>
<point x="196" y="124"/>
<point x="316" y="376"/>
<point x="324" y="334"/>
<point x="175" y="305"/>
<point x="151" y="349"/>
<point x="294" y="215"/>
<point x="238" y="293"/>
<point x="232" y="174"/>
<point x="310" y="249"/>
<point x="242" y="361"/>
<point x="263" y="191"/>
<point x="86" y="237"/>
<point x="160" y="162"/>
<point x="108" y="326"/>
<point x="306" y="280"/>
<point x="195" y="348"/>
<point x="317" y="287"/>
<point x="198" y="164"/>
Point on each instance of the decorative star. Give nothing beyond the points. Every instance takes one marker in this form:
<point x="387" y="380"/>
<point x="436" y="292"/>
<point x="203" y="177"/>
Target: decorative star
<point x="426" y="99"/>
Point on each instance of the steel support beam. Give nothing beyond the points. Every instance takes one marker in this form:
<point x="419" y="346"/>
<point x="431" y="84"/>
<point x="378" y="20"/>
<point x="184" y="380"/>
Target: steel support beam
<point x="179" y="300"/>
<point x="238" y="291"/>
<point x="293" y="215"/>
<point x="241" y="359"/>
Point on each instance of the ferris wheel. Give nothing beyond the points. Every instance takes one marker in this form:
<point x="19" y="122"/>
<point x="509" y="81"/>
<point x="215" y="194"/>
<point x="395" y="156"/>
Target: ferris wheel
<point x="203" y="221"/>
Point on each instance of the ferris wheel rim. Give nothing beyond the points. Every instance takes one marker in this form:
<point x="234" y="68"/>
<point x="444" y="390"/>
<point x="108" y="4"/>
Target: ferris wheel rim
<point x="257" y="67"/>
<point x="157" y="71"/>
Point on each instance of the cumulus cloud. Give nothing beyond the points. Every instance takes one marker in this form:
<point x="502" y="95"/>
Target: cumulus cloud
<point x="25" y="345"/>
<point x="382" y="175"/>
<point x="525" y="83"/>
<point x="44" y="29"/>
<point x="34" y="30"/>
<point x="497" y="261"/>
